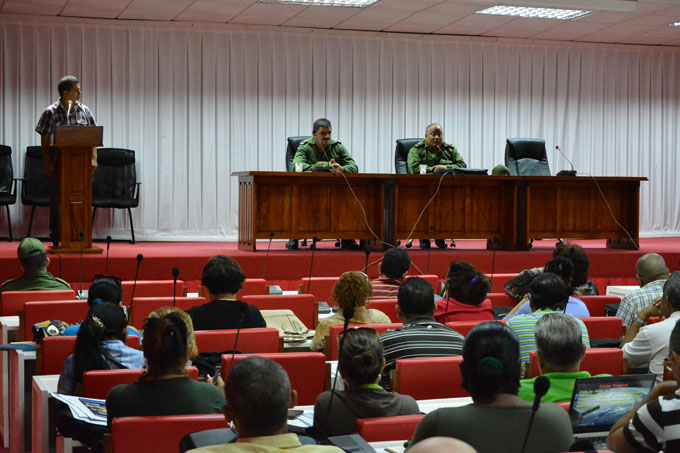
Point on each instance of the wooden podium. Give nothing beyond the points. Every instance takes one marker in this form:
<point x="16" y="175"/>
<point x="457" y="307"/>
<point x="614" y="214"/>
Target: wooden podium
<point x="76" y="145"/>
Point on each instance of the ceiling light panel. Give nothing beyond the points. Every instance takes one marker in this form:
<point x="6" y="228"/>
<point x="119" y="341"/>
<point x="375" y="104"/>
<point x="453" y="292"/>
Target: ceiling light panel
<point x="347" y="3"/>
<point x="535" y="13"/>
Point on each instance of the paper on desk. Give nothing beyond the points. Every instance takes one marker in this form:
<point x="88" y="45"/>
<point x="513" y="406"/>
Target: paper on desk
<point x="85" y="409"/>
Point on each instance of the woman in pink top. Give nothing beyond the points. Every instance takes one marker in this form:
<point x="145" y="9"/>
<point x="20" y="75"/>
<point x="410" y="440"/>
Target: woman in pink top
<point x="466" y="290"/>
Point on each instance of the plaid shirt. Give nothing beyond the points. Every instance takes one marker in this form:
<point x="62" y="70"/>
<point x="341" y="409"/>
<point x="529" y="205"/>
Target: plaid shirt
<point x="55" y="115"/>
<point x="633" y="303"/>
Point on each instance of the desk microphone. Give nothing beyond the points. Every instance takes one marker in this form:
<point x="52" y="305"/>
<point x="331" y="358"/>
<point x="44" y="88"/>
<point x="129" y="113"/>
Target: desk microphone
<point x="429" y="250"/>
<point x="367" y="251"/>
<point x="571" y="172"/>
<point x="140" y="257"/>
<point x="541" y="387"/>
<point x="175" y="274"/>
<point x="81" y="293"/>
<point x="266" y="258"/>
<point x="243" y="309"/>
<point x="311" y="264"/>
<point x="108" y="246"/>
<point x="347" y="313"/>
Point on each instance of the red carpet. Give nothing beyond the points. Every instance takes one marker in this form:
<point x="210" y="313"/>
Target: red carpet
<point x="284" y="266"/>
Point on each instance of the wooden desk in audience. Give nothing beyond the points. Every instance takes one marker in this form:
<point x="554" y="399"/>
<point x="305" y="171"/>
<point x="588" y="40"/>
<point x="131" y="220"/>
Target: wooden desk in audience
<point x="508" y="211"/>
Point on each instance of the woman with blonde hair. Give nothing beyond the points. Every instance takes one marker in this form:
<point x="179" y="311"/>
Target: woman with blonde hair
<point x="352" y="290"/>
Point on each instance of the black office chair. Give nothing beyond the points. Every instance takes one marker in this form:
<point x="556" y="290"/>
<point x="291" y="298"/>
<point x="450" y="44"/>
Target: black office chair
<point x="293" y="143"/>
<point x="114" y="183"/>
<point x="526" y="157"/>
<point x="404" y="145"/>
<point x="35" y="187"/>
<point x="8" y="184"/>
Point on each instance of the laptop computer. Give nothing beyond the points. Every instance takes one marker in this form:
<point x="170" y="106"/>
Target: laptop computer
<point x="599" y="402"/>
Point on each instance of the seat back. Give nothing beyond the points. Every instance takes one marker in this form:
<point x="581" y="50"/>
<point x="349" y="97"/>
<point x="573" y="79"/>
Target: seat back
<point x="132" y="434"/>
<point x="12" y="302"/>
<point x="501" y="300"/>
<point x="52" y="352"/>
<point x="321" y="287"/>
<point x="253" y="287"/>
<point x="603" y="327"/>
<point x="143" y="306"/>
<point x="404" y="145"/>
<point x="307" y="372"/>
<point x="185" y="303"/>
<point x="151" y="288"/>
<point x="428" y="378"/>
<point x="256" y="340"/>
<point x="387" y="306"/>
<point x="303" y="305"/>
<point x="331" y="346"/>
<point x="595" y="361"/>
<point x="462" y="327"/>
<point x="35" y="188"/>
<point x="498" y="281"/>
<point x="381" y="429"/>
<point x="69" y="311"/>
<point x="526" y="157"/>
<point x="596" y="304"/>
<point x="432" y="279"/>
<point x="97" y="383"/>
<point x="6" y="175"/>
<point x="292" y="144"/>
<point x="115" y="179"/>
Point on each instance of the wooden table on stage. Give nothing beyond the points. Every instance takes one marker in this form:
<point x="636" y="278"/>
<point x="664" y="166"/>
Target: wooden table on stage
<point x="506" y="210"/>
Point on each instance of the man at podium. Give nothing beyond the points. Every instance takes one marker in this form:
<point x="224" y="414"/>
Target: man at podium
<point x="67" y="111"/>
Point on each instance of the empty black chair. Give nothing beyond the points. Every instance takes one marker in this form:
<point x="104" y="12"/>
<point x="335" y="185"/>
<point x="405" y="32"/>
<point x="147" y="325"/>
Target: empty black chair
<point x="291" y="149"/>
<point x="35" y="187"/>
<point x="404" y="145"/>
<point x="114" y="182"/>
<point x="8" y="184"/>
<point x="526" y="157"/>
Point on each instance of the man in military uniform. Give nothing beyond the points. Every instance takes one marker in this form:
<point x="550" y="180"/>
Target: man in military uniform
<point x="34" y="261"/>
<point x="320" y="150"/>
<point x="435" y="154"/>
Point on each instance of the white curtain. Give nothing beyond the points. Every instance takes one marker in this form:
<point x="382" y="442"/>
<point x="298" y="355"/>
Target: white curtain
<point x="197" y="102"/>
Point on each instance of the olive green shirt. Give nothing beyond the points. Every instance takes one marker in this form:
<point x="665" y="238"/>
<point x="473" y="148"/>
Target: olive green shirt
<point x="35" y="281"/>
<point x="422" y="154"/>
<point x="308" y="153"/>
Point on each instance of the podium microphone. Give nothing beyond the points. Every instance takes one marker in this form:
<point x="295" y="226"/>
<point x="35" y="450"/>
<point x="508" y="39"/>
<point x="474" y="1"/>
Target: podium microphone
<point x="266" y="258"/>
<point x="108" y="246"/>
<point x="311" y="264"/>
<point x="347" y="313"/>
<point x="571" y="172"/>
<point x="68" y="112"/>
<point x="541" y="387"/>
<point x="175" y="274"/>
<point x="140" y="257"/>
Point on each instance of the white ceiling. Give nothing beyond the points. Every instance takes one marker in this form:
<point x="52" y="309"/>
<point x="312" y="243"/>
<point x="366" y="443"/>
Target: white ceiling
<point x="622" y="21"/>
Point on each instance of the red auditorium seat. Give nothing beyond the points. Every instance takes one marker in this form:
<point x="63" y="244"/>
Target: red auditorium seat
<point x="462" y="327"/>
<point x="596" y="304"/>
<point x="69" y="311"/>
<point x="501" y="300"/>
<point x="143" y="306"/>
<point x="381" y="429"/>
<point x="320" y="287"/>
<point x="308" y="372"/>
<point x="428" y="378"/>
<point x="387" y="306"/>
<point x="97" y="383"/>
<point x="151" y="288"/>
<point x="12" y="302"/>
<point x="303" y="305"/>
<point x="132" y="434"/>
<point x="498" y="281"/>
<point x="253" y="287"/>
<point x="603" y="327"/>
<point x="185" y="303"/>
<point x="596" y="361"/>
<point x="264" y="339"/>
<point x="331" y="344"/>
<point x="432" y="279"/>
<point x="50" y="355"/>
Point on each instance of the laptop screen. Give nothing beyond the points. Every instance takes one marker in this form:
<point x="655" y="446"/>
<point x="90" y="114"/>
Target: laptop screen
<point x="598" y="403"/>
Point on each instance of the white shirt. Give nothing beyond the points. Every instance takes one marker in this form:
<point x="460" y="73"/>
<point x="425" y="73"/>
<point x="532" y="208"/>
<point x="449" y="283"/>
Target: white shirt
<point x="650" y="346"/>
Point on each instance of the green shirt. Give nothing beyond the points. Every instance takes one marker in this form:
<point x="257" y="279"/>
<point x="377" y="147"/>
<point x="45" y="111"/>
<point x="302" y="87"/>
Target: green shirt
<point x="420" y="153"/>
<point x="308" y="153"/>
<point x="35" y="281"/>
<point x="561" y="386"/>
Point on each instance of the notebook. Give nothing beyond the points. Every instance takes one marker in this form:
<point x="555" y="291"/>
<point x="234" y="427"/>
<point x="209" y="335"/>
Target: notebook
<point x="599" y="402"/>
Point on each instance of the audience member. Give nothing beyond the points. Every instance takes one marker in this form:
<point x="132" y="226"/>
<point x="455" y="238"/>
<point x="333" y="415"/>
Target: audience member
<point x="33" y="260"/>
<point x="651" y="272"/>
<point x="165" y="389"/>
<point x="258" y="396"/>
<point x="441" y="445"/>
<point x="393" y="270"/>
<point x="222" y="279"/>
<point x="564" y="268"/>
<point x="652" y="424"/>
<point x="647" y="346"/>
<point x="546" y="295"/>
<point x="497" y="419"/>
<point x="360" y="364"/>
<point x="466" y="290"/>
<point x="421" y="335"/>
<point x="559" y="351"/>
<point x="351" y="290"/>
<point x="100" y="345"/>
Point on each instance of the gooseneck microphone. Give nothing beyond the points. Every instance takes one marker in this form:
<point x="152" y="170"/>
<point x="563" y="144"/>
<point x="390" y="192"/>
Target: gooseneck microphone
<point x="311" y="264"/>
<point x="571" y="172"/>
<point x="175" y="274"/>
<point x="347" y="313"/>
<point x="82" y="238"/>
<point x="68" y="112"/>
<point x="541" y="387"/>
<point x="429" y="250"/>
<point x="243" y="309"/>
<point x="140" y="257"/>
<point x="266" y="258"/>
<point x="108" y="246"/>
<point x="367" y="252"/>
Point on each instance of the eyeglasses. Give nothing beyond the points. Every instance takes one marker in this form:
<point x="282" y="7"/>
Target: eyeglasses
<point x="117" y="280"/>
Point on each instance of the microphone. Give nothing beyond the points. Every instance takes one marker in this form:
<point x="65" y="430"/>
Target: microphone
<point x="367" y="251"/>
<point x="243" y="309"/>
<point x="311" y="264"/>
<point x="140" y="257"/>
<point x="68" y="112"/>
<point x="571" y="172"/>
<point x="347" y="313"/>
<point x="266" y="258"/>
<point x="541" y="387"/>
<point x="81" y="293"/>
<point x="108" y="245"/>
<point x="175" y="274"/>
<point x="429" y="249"/>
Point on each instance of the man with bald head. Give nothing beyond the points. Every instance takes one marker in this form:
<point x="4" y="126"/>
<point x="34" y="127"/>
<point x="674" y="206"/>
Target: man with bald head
<point x="651" y="272"/>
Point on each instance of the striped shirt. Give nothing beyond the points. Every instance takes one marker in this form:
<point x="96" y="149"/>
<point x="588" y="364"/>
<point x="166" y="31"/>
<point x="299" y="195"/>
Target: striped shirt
<point x="56" y="115"/>
<point x="523" y="326"/>
<point x="385" y="288"/>
<point x="636" y="301"/>
<point x="421" y="337"/>
<point x="656" y="425"/>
